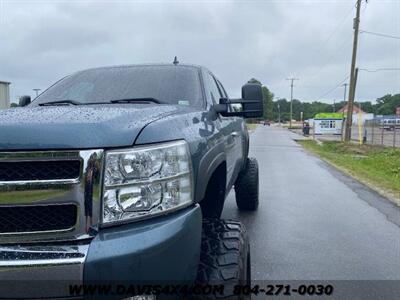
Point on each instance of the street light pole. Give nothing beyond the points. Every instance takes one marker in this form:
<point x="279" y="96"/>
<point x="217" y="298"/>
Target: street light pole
<point x="345" y="90"/>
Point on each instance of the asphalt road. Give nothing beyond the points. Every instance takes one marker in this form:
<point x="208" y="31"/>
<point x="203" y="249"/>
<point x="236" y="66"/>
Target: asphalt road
<point x="314" y="223"/>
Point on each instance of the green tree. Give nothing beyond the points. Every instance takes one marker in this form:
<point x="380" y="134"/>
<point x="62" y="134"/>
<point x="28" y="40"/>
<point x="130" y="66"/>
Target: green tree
<point x="267" y="100"/>
<point x="366" y="106"/>
<point x="268" y="103"/>
<point x="387" y="104"/>
<point x="282" y="106"/>
<point x="253" y="80"/>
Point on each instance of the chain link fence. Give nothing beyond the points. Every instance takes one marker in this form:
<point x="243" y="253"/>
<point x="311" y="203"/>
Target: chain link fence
<point x="383" y="131"/>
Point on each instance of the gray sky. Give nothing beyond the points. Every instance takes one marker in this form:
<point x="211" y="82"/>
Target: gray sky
<point x="42" y="41"/>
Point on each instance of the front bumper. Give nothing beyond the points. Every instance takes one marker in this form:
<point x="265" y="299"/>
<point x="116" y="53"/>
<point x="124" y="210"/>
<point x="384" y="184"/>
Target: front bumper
<point x="159" y="250"/>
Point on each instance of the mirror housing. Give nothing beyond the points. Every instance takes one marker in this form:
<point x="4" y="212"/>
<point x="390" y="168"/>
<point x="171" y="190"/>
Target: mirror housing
<point x="24" y="100"/>
<point x="251" y="103"/>
<point x="252" y="100"/>
<point x="221" y="108"/>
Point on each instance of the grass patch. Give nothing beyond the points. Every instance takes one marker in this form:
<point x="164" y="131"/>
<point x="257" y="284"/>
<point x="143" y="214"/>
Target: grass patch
<point x="377" y="166"/>
<point x="251" y="126"/>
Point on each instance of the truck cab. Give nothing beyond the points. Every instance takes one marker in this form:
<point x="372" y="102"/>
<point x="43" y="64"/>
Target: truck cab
<point x="119" y="175"/>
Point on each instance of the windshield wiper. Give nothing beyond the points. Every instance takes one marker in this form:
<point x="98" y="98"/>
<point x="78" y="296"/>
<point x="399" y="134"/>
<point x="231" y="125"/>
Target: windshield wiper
<point x="60" y="102"/>
<point x="131" y="100"/>
<point x="73" y="102"/>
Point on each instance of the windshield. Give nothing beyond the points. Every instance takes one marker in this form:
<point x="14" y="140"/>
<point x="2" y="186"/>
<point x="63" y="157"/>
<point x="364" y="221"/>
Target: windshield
<point x="167" y="84"/>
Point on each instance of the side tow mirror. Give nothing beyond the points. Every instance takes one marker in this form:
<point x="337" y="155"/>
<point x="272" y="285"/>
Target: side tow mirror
<point x="222" y="107"/>
<point x="24" y="100"/>
<point x="252" y="100"/>
<point x="235" y="110"/>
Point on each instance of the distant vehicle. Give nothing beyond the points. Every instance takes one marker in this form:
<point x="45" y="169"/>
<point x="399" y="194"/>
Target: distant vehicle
<point x="390" y="124"/>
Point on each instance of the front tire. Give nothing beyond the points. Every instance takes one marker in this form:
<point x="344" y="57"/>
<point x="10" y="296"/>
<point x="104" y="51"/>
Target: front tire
<point x="225" y="257"/>
<point x="246" y="186"/>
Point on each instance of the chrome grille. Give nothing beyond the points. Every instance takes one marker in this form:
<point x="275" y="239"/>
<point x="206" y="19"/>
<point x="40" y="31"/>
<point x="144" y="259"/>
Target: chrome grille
<point x="49" y="195"/>
<point x="39" y="170"/>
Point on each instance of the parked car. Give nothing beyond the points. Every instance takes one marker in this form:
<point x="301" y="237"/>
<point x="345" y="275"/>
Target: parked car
<point x="120" y="174"/>
<point x="388" y="124"/>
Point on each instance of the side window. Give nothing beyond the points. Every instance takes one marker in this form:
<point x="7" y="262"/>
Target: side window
<point x="213" y="91"/>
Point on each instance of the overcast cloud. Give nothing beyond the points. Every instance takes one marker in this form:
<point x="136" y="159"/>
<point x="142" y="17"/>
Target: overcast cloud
<point x="42" y="41"/>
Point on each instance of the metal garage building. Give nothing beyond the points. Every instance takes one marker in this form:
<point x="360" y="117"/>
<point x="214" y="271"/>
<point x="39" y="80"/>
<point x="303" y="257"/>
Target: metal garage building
<point x="4" y="94"/>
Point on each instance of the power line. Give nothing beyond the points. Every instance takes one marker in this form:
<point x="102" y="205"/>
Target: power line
<point x="339" y="50"/>
<point x="381" y="34"/>
<point x="336" y="29"/>
<point x="379" y="70"/>
<point x="334" y="88"/>
<point x="341" y="47"/>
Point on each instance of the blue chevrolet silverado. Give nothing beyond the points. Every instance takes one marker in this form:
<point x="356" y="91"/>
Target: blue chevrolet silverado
<point x="118" y="175"/>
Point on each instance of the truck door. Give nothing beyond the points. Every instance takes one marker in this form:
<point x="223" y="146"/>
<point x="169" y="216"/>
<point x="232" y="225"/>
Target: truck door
<point x="237" y="133"/>
<point x="225" y="126"/>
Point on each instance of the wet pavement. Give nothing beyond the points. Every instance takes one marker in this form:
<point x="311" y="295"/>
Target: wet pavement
<point x="314" y="223"/>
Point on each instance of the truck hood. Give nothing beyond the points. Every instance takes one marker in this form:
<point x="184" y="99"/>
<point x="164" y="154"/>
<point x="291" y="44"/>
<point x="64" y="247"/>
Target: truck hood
<point x="77" y="127"/>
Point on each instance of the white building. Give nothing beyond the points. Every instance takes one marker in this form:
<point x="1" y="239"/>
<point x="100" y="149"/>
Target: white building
<point x="4" y="94"/>
<point x="359" y="116"/>
<point x="328" y="123"/>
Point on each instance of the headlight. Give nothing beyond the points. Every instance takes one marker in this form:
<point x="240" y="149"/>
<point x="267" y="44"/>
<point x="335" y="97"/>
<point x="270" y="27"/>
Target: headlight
<point x="146" y="180"/>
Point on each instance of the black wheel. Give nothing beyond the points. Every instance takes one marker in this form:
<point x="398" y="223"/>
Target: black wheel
<point x="225" y="257"/>
<point x="246" y="186"/>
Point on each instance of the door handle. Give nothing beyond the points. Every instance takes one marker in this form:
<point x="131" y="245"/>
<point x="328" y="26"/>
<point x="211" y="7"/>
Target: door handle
<point x="235" y="134"/>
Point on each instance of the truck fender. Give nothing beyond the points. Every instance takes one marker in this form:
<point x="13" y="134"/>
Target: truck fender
<point x="207" y="165"/>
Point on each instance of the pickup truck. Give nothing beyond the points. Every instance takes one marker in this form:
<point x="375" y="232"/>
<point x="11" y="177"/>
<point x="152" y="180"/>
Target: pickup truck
<point x="119" y="175"/>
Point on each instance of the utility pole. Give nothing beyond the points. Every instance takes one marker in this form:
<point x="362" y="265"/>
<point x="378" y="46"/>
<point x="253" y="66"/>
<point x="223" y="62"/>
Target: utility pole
<point x="291" y="99"/>
<point x="349" y="120"/>
<point x="37" y="91"/>
<point x="352" y="92"/>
